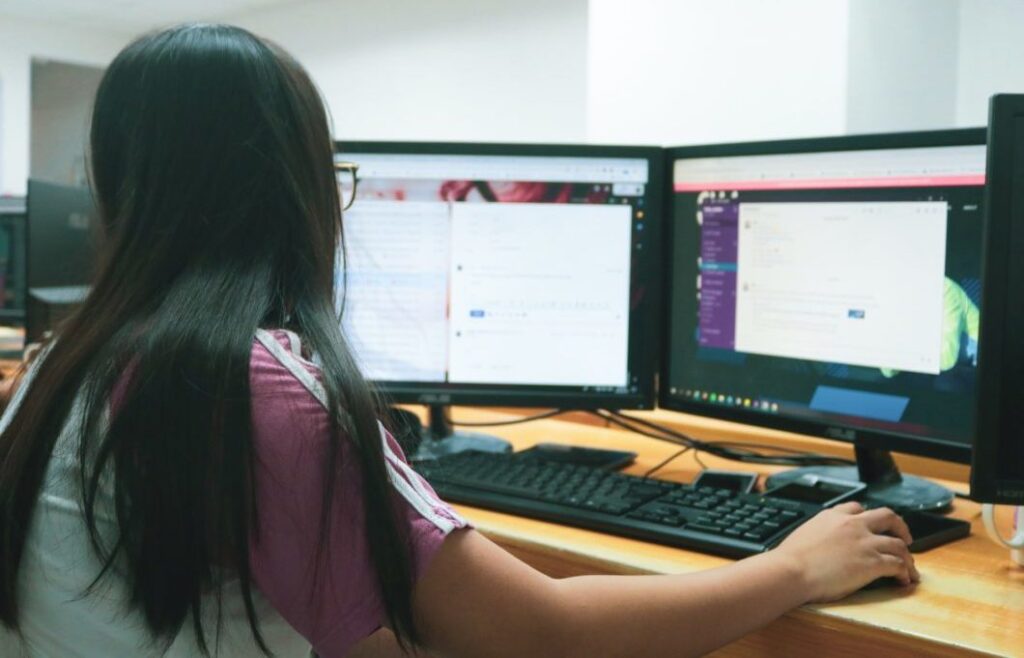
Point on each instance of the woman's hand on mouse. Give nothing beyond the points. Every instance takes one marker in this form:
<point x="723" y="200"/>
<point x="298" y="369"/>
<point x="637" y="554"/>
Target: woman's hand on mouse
<point x="843" y="549"/>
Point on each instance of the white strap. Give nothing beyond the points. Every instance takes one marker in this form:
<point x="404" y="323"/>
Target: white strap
<point x="287" y="360"/>
<point x="411" y="488"/>
<point x="19" y="395"/>
<point x="294" y="342"/>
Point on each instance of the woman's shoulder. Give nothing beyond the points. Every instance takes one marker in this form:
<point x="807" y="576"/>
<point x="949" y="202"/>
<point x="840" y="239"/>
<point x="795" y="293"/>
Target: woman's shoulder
<point x="287" y="396"/>
<point x="278" y="361"/>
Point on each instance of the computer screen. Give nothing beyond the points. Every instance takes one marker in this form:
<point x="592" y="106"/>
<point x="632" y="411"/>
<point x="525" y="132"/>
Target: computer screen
<point x="830" y="286"/>
<point x="501" y="274"/>
<point x="997" y="473"/>
<point x="61" y="248"/>
<point x="12" y="260"/>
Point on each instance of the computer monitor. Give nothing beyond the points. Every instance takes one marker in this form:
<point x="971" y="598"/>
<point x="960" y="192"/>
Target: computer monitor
<point x="60" y="244"/>
<point x="505" y="275"/>
<point x="12" y="260"/>
<point x="61" y="251"/>
<point x="997" y="474"/>
<point x="831" y="287"/>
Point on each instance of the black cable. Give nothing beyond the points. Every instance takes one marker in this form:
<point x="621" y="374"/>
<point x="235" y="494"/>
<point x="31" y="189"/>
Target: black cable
<point x="700" y="462"/>
<point x="665" y="462"/>
<point x="607" y="416"/>
<point x="736" y="451"/>
<point x="525" y="419"/>
<point x="732" y="450"/>
<point x="790" y="451"/>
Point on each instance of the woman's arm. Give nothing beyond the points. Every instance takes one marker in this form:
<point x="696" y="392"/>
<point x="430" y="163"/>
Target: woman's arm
<point x="477" y="600"/>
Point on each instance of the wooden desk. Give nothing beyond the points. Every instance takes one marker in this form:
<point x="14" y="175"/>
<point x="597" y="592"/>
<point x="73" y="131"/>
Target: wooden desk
<point x="970" y="600"/>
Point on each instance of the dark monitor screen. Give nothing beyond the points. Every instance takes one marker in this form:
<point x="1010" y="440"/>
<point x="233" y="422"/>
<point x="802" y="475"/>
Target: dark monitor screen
<point x="997" y="474"/>
<point x="830" y="286"/>
<point x="505" y="274"/>
<point x="60" y="244"/>
<point x="12" y="259"/>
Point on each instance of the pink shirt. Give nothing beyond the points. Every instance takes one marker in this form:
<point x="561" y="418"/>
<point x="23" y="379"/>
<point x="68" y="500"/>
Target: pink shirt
<point x="290" y="440"/>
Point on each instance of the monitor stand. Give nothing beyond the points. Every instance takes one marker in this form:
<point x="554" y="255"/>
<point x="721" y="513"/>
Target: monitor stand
<point x="886" y="485"/>
<point x="440" y="438"/>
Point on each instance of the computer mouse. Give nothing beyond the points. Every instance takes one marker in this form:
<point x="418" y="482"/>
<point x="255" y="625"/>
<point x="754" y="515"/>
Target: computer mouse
<point x="885" y="582"/>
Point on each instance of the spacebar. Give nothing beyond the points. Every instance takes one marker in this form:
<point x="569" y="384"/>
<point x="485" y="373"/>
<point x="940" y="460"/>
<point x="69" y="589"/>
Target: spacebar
<point x="490" y="487"/>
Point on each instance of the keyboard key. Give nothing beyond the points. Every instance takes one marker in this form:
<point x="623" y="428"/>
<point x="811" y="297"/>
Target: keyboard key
<point x="701" y="527"/>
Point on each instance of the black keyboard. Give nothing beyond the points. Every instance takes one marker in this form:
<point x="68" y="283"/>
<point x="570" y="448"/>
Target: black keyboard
<point x="710" y="520"/>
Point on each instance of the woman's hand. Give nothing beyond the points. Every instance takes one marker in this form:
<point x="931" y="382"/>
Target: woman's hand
<point x="844" y="548"/>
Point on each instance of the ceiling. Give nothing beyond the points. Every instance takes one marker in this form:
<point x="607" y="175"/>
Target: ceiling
<point x="130" y="15"/>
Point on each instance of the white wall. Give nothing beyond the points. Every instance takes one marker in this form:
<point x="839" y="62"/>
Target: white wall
<point x="649" y="71"/>
<point x="20" y="41"/>
<point x="62" y="98"/>
<point x="991" y="55"/>
<point x="902" y="64"/>
<point x="453" y="70"/>
<point x="696" y="71"/>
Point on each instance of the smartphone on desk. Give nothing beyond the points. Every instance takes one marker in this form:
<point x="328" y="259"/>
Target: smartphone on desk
<point x="817" y="490"/>
<point x="930" y="530"/>
<point x="731" y="480"/>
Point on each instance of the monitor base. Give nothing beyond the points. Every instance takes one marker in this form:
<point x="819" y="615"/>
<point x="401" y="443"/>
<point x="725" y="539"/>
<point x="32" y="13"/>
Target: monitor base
<point x="440" y="438"/>
<point x="432" y="448"/>
<point x="907" y="493"/>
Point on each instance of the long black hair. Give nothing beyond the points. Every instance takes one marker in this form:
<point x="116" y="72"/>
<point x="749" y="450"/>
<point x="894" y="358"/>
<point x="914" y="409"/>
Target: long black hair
<point x="211" y="163"/>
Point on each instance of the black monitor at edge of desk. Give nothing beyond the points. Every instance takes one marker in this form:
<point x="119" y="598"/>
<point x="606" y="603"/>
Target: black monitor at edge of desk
<point x="997" y="472"/>
<point x="831" y="287"/>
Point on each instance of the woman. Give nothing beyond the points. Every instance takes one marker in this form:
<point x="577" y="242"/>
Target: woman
<point x="178" y="477"/>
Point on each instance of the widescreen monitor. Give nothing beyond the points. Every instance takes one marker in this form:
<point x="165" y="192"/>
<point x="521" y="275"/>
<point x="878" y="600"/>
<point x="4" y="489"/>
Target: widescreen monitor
<point x="499" y="274"/>
<point x="832" y="287"/>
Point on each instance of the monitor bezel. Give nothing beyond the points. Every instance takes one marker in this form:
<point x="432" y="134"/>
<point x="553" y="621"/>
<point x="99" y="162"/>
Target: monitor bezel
<point x="649" y="340"/>
<point x="899" y="442"/>
<point x="1004" y="111"/>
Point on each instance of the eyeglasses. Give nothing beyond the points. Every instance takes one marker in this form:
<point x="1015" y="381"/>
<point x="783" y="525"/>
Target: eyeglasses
<point x="346" y="174"/>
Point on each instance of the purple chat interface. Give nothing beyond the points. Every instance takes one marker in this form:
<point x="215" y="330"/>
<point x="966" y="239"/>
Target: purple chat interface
<point x="719" y="246"/>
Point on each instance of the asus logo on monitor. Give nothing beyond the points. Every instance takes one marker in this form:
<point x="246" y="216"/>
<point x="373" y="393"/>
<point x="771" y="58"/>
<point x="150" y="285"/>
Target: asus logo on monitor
<point x="434" y="398"/>
<point x="841" y="433"/>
